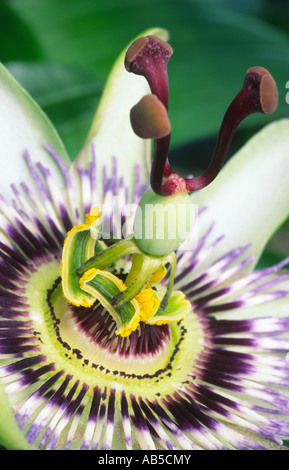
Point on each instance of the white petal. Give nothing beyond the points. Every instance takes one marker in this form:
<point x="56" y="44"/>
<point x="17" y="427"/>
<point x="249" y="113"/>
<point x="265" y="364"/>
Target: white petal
<point x="23" y="126"/>
<point x="249" y="199"/>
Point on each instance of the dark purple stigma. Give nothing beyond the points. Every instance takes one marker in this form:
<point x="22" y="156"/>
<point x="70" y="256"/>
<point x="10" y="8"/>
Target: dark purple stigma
<point x="148" y="56"/>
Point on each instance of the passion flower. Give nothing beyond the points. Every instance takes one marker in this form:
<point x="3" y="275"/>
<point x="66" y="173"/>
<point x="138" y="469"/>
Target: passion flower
<point x="106" y="346"/>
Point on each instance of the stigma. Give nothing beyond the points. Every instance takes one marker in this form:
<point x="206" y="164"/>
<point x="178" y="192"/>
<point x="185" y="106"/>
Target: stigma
<point x="148" y="56"/>
<point x="92" y="268"/>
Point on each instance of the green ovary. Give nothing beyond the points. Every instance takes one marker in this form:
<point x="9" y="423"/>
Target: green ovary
<point x="146" y="374"/>
<point x="162" y="224"/>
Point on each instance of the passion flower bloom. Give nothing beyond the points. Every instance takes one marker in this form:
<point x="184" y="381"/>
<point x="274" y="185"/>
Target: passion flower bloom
<point x="126" y="343"/>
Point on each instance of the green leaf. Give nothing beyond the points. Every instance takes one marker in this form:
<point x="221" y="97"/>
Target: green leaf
<point x="214" y="43"/>
<point x="286" y="443"/>
<point x="68" y="95"/>
<point x="249" y="199"/>
<point x="51" y="83"/>
<point x="24" y="126"/>
<point x="15" y="32"/>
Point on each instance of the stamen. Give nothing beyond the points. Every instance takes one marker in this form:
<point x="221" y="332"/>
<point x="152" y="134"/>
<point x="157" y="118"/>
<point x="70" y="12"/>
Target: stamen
<point x="79" y="246"/>
<point x="147" y="266"/>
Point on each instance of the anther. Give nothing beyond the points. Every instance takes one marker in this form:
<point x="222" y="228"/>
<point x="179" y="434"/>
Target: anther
<point x="149" y="118"/>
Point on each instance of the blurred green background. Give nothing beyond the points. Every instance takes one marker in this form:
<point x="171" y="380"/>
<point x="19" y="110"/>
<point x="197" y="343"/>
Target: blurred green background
<point x="61" y="51"/>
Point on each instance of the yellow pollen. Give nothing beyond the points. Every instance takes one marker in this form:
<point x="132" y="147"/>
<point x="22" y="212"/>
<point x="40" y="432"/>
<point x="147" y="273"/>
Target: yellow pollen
<point x="149" y="302"/>
<point x="90" y="218"/>
<point x="126" y="331"/>
<point x="93" y="215"/>
<point x="87" y="276"/>
<point x="158" y="275"/>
